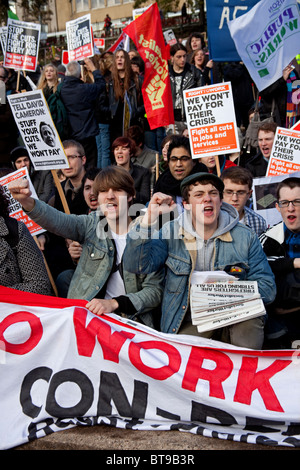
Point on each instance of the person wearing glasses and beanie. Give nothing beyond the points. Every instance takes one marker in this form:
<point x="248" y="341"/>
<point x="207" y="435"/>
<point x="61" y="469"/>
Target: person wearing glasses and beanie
<point x="281" y="243"/>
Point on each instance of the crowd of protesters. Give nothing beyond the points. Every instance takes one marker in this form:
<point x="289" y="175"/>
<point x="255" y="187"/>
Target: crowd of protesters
<point x="122" y="174"/>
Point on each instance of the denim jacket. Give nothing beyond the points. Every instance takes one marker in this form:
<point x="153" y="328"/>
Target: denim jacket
<point x="97" y="260"/>
<point x="175" y="248"/>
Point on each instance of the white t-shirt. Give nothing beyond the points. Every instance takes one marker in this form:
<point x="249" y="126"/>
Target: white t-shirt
<point x="115" y="285"/>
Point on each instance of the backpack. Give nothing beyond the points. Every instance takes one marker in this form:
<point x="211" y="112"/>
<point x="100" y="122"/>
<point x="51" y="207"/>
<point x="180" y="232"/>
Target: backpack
<point x="251" y="140"/>
<point x="59" y="114"/>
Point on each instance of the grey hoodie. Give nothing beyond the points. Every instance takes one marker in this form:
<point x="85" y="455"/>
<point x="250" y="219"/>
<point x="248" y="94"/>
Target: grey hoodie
<point x="228" y="218"/>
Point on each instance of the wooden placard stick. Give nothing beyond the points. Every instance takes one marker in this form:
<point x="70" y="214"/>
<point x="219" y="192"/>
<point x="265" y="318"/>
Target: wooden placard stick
<point x="218" y="165"/>
<point x="47" y="268"/>
<point x="60" y="192"/>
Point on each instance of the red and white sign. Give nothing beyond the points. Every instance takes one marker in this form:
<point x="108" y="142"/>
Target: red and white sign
<point x="80" y="38"/>
<point x="211" y="120"/>
<point x="22" y="45"/>
<point x="296" y="127"/>
<point x="64" y="366"/>
<point x="15" y="208"/>
<point x="65" y="57"/>
<point x="99" y="42"/>
<point x="285" y="155"/>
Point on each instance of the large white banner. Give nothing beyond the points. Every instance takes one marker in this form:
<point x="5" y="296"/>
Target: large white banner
<point x="62" y="366"/>
<point x="267" y="38"/>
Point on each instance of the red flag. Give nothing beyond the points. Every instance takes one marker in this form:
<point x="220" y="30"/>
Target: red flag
<point x="121" y="43"/>
<point x="146" y="33"/>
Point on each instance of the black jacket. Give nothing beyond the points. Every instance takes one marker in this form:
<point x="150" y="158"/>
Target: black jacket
<point x="192" y="78"/>
<point x="257" y="165"/>
<point x="142" y="180"/>
<point x="80" y="99"/>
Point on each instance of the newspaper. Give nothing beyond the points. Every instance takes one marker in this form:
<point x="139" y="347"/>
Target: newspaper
<point x="218" y="303"/>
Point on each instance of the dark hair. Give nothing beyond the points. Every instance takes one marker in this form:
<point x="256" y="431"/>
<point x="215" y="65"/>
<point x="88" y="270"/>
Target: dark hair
<point x="114" y="177"/>
<point x="292" y="182"/>
<point x="185" y="191"/>
<point x="179" y="141"/>
<point x="268" y="127"/>
<point x="137" y="60"/>
<point x="196" y="52"/>
<point x="166" y="139"/>
<point x="120" y="85"/>
<point x="238" y="175"/>
<point x="196" y="35"/>
<point x="90" y="174"/>
<point x="124" y="142"/>
<point x="42" y="124"/>
<point x="4" y="70"/>
<point x="135" y="133"/>
<point x="4" y="203"/>
<point x="177" y="47"/>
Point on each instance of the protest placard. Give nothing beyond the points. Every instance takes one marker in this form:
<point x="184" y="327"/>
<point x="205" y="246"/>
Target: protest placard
<point x="266" y="38"/>
<point x="99" y="42"/>
<point x="65" y="57"/>
<point x="80" y="38"/>
<point x="22" y="45"/>
<point x="264" y="197"/>
<point x="170" y="37"/>
<point x="211" y="120"/>
<point x="218" y="13"/>
<point x="296" y="126"/>
<point x="285" y="154"/>
<point x="37" y="129"/>
<point x="3" y="36"/>
<point x="15" y="208"/>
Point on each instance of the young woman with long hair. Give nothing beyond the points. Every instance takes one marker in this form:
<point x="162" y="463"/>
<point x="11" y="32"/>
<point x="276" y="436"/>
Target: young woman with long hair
<point x="124" y="88"/>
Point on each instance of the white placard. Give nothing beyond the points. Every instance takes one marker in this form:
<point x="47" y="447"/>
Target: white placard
<point x="22" y="45"/>
<point x="80" y="38"/>
<point x="15" y="208"/>
<point x="38" y="130"/>
<point x="285" y="154"/>
<point x="211" y="120"/>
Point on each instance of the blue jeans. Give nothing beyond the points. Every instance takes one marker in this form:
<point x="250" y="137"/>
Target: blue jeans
<point x="103" y="146"/>
<point x="63" y="282"/>
<point x="154" y="138"/>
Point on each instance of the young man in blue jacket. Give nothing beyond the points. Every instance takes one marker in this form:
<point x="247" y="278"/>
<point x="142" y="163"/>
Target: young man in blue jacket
<point x="207" y="236"/>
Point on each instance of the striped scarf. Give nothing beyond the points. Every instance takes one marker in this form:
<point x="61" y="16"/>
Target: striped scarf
<point x="292" y="109"/>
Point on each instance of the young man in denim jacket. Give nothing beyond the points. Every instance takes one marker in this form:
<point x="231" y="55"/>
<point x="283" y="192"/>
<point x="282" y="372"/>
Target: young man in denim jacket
<point x="101" y="277"/>
<point x="207" y="236"/>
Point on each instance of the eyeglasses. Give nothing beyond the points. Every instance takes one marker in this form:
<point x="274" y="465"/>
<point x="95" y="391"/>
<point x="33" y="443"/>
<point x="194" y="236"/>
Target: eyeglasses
<point x="74" y="156"/>
<point x="284" y="204"/>
<point x="2" y="77"/>
<point x="184" y="158"/>
<point x="240" y="193"/>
